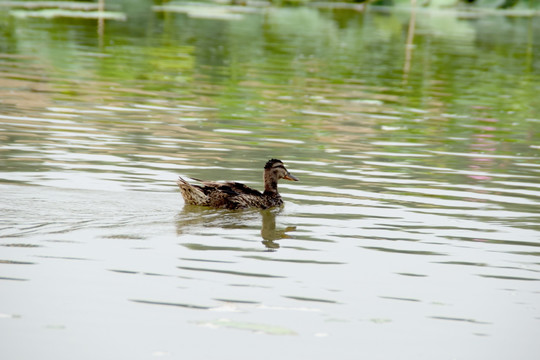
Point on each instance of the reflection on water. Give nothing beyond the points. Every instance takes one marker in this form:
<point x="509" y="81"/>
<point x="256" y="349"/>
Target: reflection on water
<point x="269" y="232"/>
<point x="197" y="219"/>
<point x="417" y="216"/>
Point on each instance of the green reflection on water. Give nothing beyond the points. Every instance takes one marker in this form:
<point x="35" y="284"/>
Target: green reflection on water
<point x="304" y="84"/>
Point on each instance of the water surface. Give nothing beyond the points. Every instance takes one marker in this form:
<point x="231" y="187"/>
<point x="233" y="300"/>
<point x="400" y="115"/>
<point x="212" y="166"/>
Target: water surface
<point x="413" y="233"/>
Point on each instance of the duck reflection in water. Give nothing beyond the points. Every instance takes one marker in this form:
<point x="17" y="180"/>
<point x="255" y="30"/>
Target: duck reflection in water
<point x="192" y="219"/>
<point x="269" y="232"/>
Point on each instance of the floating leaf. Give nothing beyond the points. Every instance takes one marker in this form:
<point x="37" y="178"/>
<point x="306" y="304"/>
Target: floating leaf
<point x="202" y="11"/>
<point x="259" y="328"/>
<point x="72" y="5"/>
<point x="56" y="13"/>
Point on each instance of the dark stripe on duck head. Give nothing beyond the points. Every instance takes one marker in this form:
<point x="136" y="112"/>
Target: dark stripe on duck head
<point x="272" y="162"/>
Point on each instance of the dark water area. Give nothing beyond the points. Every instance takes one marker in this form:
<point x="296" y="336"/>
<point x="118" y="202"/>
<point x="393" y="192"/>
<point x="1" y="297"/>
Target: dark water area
<point x="413" y="232"/>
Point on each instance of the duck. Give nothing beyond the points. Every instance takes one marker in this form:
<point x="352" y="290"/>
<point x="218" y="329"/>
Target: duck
<point x="234" y="195"/>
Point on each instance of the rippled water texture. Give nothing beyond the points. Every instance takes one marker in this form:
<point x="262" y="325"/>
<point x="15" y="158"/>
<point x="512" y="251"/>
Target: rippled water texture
<point x="414" y="231"/>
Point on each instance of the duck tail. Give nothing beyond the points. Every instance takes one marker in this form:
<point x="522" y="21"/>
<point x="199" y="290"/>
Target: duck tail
<point x="181" y="182"/>
<point x="192" y="194"/>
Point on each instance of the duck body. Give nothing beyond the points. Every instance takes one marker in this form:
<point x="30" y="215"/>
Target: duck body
<point x="226" y="195"/>
<point x="235" y="195"/>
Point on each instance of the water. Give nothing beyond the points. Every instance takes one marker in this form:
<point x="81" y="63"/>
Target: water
<point x="413" y="232"/>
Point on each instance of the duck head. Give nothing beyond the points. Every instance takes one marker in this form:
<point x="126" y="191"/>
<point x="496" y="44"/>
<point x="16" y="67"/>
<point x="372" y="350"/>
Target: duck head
<point x="274" y="170"/>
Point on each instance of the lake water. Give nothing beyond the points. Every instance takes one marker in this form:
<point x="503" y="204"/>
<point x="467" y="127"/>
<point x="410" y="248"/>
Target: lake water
<point x="414" y="231"/>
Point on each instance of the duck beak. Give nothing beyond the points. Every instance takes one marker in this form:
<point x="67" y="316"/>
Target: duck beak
<point x="291" y="177"/>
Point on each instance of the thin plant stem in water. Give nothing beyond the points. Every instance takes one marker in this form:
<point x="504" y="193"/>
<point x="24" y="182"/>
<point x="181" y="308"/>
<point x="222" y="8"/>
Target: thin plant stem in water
<point x="101" y="22"/>
<point x="409" y="44"/>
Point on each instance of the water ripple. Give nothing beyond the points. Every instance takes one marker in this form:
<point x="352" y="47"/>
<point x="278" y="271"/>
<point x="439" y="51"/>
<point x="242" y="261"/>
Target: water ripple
<point x="418" y="201"/>
<point x="230" y="272"/>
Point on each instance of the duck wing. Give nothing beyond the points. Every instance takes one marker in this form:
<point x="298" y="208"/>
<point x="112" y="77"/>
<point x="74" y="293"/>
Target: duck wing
<point x="228" y="195"/>
<point x="240" y="189"/>
<point x="232" y="195"/>
<point x="231" y="188"/>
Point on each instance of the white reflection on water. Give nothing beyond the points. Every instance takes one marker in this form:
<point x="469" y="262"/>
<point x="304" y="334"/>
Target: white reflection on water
<point x="332" y="262"/>
<point x="369" y="242"/>
<point x="365" y="245"/>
